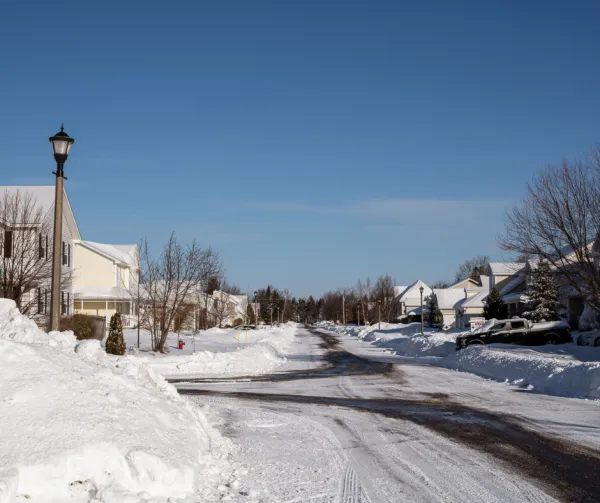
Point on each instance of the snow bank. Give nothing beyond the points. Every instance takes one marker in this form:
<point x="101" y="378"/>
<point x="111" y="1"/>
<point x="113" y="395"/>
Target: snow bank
<point x="563" y="370"/>
<point x="263" y="353"/>
<point x="556" y="373"/>
<point x="405" y="340"/>
<point x="78" y="425"/>
<point x="253" y="360"/>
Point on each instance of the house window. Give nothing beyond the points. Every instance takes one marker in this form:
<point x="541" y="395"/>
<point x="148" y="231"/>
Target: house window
<point x="69" y="255"/>
<point x="8" y="244"/>
<point x="40" y="300"/>
<point x="64" y="253"/>
<point x="46" y="240"/>
<point x="64" y="298"/>
<point x="41" y="248"/>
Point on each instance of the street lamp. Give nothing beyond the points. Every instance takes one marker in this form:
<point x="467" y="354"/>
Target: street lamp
<point x="61" y="145"/>
<point x="421" y="290"/>
<point x="255" y="310"/>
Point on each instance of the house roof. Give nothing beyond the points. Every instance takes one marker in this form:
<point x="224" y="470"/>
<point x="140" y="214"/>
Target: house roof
<point x="476" y="301"/>
<point x="463" y="282"/>
<point x="100" y="293"/>
<point x="125" y="254"/>
<point x="448" y="298"/>
<point x="412" y="291"/>
<point x="512" y="284"/>
<point x="399" y="290"/>
<point x="44" y="198"/>
<point x="506" y="268"/>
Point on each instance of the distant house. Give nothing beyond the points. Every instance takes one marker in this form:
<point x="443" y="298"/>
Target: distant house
<point x="409" y="297"/>
<point x="471" y="305"/>
<point x="38" y="245"/>
<point x="104" y="277"/>
<point x="228" y="309"/>
<point x="448" y="299"/>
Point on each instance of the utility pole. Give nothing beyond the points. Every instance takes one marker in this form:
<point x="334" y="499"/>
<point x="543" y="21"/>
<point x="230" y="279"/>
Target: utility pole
<point x="138" y="307"/>
<point x="343" y="308"/>
<point x="379" y="313"/>
<point x="421" y="290"/>
<point x="358" y="315"/>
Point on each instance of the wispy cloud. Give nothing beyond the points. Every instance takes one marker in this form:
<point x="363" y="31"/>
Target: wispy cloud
<point x="397" y="210"/>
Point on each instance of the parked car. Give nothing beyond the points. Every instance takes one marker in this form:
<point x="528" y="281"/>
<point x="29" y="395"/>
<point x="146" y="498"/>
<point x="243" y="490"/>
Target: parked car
<point x="589" y="339"/>
<point x="517" y="331"/>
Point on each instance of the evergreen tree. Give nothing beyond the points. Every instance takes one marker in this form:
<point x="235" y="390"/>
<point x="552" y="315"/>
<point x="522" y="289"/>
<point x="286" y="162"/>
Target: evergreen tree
<point x="541" y="294"/>
<point x="250" y="314"/>
<point x="431" y="316"/>
<point x="494" y="307"/>
<point x="115" y="344"/>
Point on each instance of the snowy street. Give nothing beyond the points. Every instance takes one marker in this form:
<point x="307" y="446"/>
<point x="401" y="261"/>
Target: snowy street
<point x="370" y="426"/>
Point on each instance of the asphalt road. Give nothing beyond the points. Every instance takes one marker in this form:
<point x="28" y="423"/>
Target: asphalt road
<point x="395" y="439"/>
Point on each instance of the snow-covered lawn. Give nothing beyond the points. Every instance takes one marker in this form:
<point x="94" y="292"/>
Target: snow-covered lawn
<point x="78" y="425"/>
<point x="563" y="370"/>
<point x="223" y="352"/>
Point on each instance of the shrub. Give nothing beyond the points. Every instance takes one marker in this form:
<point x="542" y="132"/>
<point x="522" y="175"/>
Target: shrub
<point x="237" y="322"/>
<point x="81" y="325"/>
<point x="115" y="344"/>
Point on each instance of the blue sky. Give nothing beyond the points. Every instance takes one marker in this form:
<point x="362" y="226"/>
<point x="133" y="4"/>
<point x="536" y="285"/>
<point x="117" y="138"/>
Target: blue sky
<point x="311" y="143"/>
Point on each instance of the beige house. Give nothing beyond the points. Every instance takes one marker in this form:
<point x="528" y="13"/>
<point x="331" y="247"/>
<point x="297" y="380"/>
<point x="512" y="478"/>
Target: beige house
<point x="104" y="278"/>
<point x="409" y="297"/>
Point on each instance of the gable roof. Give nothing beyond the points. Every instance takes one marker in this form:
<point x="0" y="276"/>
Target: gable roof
<point x="399" y="290"/>
<point x="412" y="291"/>
<point x="506" y="268"/>
<point x="124" y="254"/>
<point x="448" y="298"/>
<point x="44" y="199"/>
<point x="476" y="301"/>
<point x="461" y="283"/>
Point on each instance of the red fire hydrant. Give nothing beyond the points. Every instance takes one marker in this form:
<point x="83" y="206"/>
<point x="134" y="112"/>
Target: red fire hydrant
<point x="181" y="344"/>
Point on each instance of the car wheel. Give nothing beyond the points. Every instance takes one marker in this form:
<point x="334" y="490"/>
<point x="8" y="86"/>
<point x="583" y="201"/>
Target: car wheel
<point x="475" y="343"/>
<point x="551" y="339"/>
<point x="597" y="342"/>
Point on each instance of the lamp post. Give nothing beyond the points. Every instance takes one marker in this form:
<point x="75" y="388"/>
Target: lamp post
<point x="255" y="310"/>
<point x="61" y="145"/>
<point x="421" y="290"/>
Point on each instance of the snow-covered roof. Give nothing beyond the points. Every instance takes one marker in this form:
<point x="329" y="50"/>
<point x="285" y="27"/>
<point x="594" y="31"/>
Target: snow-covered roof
<point x="125" y="254"/>
<point x="506" y="268"/>
<point x="448" y="297"/>
<point x="413" y="291"/>
<point x="399" y="290"/>
<point x="100" y="292"/>
<point x="476" y="301"/>
<point x="512" y="284"/>
<point x="463" y="283"/>
<point x="44" y="195"/>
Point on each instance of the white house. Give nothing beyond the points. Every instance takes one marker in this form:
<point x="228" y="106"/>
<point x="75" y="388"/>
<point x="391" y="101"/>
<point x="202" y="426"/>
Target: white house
<point x="104" y="278"/>
<point x="409" y="297"/>
<point x="41" y="235"/>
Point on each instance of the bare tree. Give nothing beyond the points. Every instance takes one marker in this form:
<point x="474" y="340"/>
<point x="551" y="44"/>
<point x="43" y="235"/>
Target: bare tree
<point x="26" y="254"/>
<point x="559" y="220"/>
<point x="212" y="275"/>
<point x="222" y="305"/>
<point x="440" y="284"/>
<point x="383" y="292"/>
<point x="170" y="281"/>
<point x="467" y="268"/>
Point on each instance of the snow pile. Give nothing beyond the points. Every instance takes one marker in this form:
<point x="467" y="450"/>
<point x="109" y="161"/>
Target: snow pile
<point x="263" y="353"/>
<point x="559" y="372"/>
<point x="252" y="360"/>
<point x="405" y="340"/>
<point x="78" y="425"/>
<point x="564" y="370"/>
